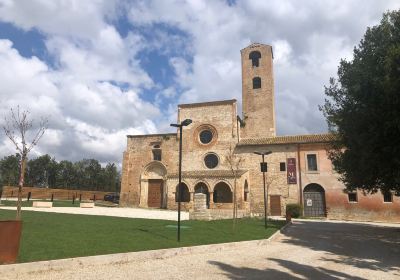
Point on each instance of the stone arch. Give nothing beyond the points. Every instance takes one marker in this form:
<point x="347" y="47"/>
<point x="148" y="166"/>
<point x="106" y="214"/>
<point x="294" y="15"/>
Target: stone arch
<point x="225" y="182"/>
<point x="222" y="193"/>
<point x="153" y="190"/>
<point x="202" y="187"/>
<point x="154" y="170"/>
<point x="203" y="182"/>
<point x="314" y="200"/>
<point x="185" y="193"/>
<point x="255" y="57"/>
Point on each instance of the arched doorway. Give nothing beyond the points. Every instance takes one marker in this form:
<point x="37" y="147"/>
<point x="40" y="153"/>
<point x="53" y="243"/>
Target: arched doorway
<point x="222" y="193"/>
<point x="314" y="201"/>
<point x="202" y="188"/>
<point x="185" y="196"/>
<point x="152" y="185"/>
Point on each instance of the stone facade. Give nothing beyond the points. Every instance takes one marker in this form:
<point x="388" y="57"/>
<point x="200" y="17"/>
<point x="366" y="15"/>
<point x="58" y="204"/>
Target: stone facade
<point x="218" y="137"/>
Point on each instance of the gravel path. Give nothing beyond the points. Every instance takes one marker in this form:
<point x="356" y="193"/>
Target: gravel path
<point x="307" y="250"/>
<point x="115" y="212"/>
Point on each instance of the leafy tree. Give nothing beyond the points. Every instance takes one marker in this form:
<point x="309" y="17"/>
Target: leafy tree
<point x="42" y="172"/>
<point x="110" y="177"/>
<point x="66" y="175"/>
<point x="9" y="167"/>
<point x="45" y="171"/>
<point x="363" y="111"/>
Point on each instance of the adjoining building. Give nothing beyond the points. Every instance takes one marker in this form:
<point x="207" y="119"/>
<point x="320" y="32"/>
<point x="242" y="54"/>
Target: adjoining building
<point x="299" y="170"/>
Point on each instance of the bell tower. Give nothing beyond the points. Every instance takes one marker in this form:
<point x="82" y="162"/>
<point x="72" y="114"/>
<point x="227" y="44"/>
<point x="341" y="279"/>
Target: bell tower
<point x="258" y="92"/>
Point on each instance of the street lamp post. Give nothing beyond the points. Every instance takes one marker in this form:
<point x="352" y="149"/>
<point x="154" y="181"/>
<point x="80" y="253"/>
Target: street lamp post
<point x="181" y="125"/>
<point x="264" y="168"/>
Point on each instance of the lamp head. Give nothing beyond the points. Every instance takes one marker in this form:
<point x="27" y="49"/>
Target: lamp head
<point x="186" y="122"/>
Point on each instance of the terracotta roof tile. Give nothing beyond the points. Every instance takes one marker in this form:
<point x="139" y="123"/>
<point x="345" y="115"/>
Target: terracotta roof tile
<point x="207" y="174"/>
<point x="290" y="139"/>
<point x="210" y="103"/>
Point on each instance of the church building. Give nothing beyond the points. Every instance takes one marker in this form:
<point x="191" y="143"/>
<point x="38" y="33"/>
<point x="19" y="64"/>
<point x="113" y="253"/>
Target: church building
<point x="219" y="160"/>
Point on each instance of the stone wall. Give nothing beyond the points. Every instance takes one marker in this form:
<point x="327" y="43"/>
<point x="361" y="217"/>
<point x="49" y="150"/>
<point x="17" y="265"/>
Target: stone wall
<point x="276" y="180"/>
<point x="138" y="159"/>
<point x="258" y="104"/>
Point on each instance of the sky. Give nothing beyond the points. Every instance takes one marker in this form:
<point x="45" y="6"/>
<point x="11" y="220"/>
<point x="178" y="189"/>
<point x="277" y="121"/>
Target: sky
<point x="100" y="70"/>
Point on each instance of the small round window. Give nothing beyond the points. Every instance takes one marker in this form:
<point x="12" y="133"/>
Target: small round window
<point x="206" y="136"/>
<point x="211" y="161"/>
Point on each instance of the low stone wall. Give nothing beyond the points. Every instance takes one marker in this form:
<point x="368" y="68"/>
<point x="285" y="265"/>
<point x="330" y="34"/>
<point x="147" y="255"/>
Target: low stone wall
<point x="45" y="193"/>
<point x="200" y="211"/>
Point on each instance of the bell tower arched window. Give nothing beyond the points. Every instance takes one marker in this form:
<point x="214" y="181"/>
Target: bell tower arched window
<point x="255" y="58"/>
<point x="256" y="82"/>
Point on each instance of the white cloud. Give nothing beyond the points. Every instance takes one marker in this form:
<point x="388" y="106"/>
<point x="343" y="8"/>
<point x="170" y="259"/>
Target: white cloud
<point x="103" y="113"/>
<point x="309" y="39"/>
<point x="72" y="18"/>
<point x="93" y="92"/>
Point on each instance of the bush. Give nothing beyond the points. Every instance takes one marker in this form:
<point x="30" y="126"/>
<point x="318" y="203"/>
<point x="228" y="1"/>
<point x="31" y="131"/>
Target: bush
<point x="295" y="210"/>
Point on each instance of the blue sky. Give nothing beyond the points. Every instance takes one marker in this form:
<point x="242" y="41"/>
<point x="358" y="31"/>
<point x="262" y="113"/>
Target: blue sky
<point x="100" y="70"/>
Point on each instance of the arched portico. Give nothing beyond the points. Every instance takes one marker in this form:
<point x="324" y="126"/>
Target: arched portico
<point x="202" y="187"/>
<point x="185" y="195"/>
<point x="222" y="193"/>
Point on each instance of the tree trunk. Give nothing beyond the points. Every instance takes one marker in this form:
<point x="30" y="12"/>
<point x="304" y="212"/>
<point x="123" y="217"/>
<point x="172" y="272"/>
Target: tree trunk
<point x="20" y="185"/>
<point x="234" y="204"/>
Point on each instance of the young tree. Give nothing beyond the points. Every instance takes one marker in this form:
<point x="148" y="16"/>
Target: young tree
<point x="17" y="125"/>
<point x="234" y="162"/>
<point x="363" y="111"/>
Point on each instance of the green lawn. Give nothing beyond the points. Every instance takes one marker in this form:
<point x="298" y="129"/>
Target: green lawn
<point x="49" y="236"/>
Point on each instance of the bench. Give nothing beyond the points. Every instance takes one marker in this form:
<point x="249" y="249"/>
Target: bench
<point x="42" y="204"/>
<point x="87" y="204"/>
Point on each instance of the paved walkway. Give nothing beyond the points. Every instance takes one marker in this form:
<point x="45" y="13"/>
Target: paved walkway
<point x="110" y="211"/>
<point x="307" y="250"/>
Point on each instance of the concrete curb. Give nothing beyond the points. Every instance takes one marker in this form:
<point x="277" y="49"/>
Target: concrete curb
<point x="123" y="258"/>
<point x="278" y="233"/>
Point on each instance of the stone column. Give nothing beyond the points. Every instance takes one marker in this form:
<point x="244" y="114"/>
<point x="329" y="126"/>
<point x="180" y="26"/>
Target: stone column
<point x="211" y="200"/>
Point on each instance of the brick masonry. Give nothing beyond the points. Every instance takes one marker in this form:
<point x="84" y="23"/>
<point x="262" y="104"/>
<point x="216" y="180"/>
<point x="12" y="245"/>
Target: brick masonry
<point x="258" y="123"/>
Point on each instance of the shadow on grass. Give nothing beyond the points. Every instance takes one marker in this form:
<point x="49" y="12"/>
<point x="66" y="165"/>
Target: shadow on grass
<point x="297" y="271"/>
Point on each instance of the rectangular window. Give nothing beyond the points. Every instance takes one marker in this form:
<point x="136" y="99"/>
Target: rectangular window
<point x="312" y="162"/>
<point x="352" y="197"/>
<point x="157" y="154"/>
<point x="387" y="197"/>
<point x="282" y="166"/>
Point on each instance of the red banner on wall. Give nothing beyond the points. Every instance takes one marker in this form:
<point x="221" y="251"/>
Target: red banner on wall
<point x="291" y="171"/>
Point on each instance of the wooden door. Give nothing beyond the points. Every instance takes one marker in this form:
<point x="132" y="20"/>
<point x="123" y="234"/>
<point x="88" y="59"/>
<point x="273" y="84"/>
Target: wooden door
<point x="275" y="201"/>
<point x="155" y="193"/>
